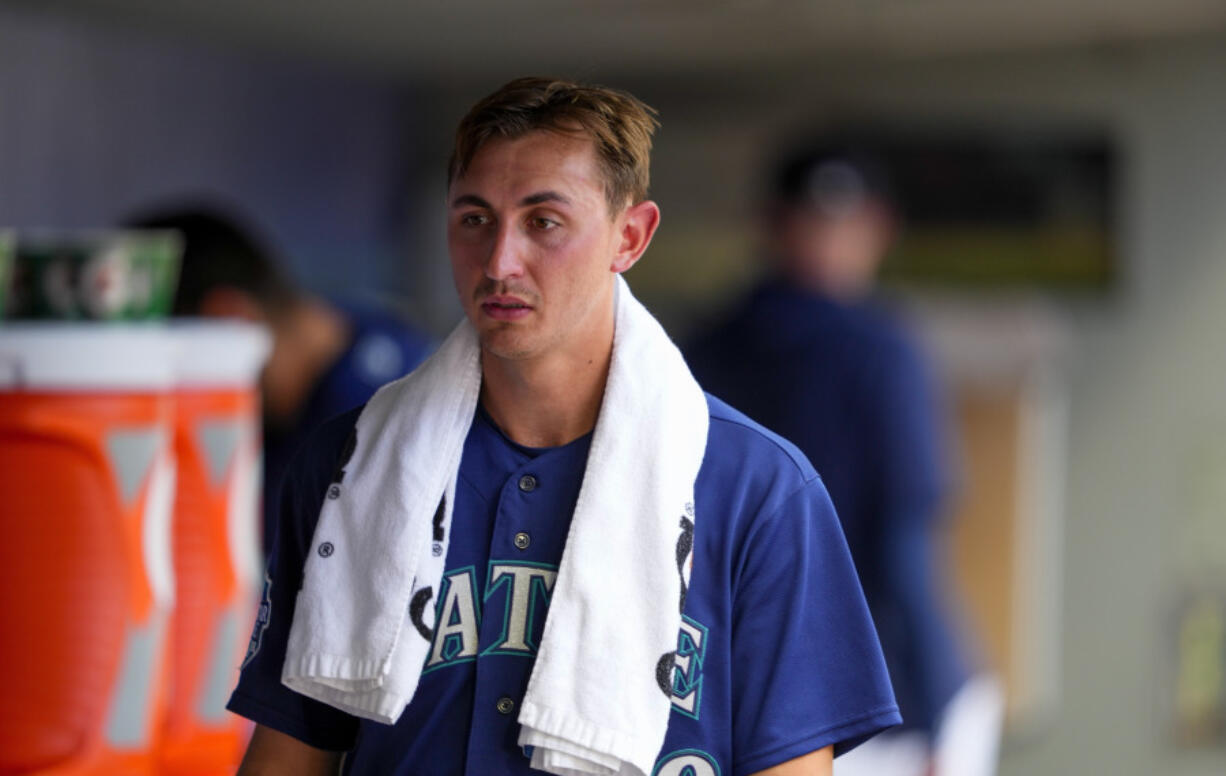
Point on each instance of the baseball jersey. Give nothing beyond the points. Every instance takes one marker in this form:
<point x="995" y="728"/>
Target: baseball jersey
<point x="846" y="385"/>
<point x="776" y="655"/>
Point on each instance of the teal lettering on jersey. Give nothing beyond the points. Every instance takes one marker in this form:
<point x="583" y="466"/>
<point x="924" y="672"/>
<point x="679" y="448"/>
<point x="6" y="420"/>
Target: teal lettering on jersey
<point x="687" y="668"/>
<point x="457" y="621"/>
<point x="526" y="585"/>
<point x="457" y="631"/>
<point x="526" y="590"/>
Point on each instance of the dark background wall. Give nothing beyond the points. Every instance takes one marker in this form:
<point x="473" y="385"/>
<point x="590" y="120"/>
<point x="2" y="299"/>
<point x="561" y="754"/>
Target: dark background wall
<point x="95" y="122"/>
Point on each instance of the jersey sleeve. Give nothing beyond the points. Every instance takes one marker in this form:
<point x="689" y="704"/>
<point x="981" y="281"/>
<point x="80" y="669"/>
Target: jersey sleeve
<point x="808" y="669"/>
<point x="260" y="696"/>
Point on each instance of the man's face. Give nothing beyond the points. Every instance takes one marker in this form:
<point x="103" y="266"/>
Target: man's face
<point x="533" y="246"/>
<point x="836" y="253"/>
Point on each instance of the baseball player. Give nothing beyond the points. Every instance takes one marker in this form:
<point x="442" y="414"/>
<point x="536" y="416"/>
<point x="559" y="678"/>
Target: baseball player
<point x="775" y="667"/>
<point x="809" y="354"/>
<point x="327" y="356"/>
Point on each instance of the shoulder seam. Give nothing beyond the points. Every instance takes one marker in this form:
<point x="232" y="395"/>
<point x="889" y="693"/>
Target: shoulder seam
<point x="806" y="476"/>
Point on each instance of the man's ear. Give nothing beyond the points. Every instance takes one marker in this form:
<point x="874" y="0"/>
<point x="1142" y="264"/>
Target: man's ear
<point x="638" y="225"/>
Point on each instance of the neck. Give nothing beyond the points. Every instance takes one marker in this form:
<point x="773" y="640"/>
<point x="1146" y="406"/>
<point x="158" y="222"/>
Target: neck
<point x="549" y="401"/>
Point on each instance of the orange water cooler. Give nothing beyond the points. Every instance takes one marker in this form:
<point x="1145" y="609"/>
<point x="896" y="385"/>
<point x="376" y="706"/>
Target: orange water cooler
<point x="86" y="576"/>
<point x="217" y="557"/>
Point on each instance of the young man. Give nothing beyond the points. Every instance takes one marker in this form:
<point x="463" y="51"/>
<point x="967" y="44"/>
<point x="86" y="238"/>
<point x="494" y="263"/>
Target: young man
<point x="768" y="662"/>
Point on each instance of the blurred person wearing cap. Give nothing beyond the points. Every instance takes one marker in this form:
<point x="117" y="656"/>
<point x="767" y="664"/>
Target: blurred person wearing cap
<point x="813" y="356"/>
<point x="327" y="356"/>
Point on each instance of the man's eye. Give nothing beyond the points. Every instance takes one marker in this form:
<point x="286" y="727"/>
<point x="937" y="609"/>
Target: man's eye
<point x="542" y="223"/>
<point x="473" y="219"/>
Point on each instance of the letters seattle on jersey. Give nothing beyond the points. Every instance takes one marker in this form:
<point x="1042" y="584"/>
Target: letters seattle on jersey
<point x="776" y="655"/>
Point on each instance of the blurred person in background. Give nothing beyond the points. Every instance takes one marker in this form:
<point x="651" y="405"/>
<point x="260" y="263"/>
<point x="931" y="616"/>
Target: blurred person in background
<point x="327" y="357"/>
<point x="810" y="355"/>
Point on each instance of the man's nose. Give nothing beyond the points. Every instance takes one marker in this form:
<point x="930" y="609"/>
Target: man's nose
<point x="506" y="257"/>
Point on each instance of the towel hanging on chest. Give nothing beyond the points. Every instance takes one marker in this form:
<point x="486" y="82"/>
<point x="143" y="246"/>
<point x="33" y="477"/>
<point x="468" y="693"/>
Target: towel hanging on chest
<point x="599" y="696"/>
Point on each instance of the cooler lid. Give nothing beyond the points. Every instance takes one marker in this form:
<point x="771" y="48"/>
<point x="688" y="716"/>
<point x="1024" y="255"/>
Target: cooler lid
<point x="83" y="357"/>
<point x="219" y="353"/>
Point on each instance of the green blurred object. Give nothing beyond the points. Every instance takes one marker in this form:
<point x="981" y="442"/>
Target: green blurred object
<point x="105" y="276"/>
<point x="7" y="240"/>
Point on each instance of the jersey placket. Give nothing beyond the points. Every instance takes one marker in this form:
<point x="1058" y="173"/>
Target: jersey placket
<point x="525" y="548"/>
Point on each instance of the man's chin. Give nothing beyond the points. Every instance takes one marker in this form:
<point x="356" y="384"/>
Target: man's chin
<point x="506" y="345"/>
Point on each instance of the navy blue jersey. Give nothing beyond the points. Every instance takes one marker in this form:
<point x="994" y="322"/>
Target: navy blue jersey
<point x="381" y="348"/>
<point x="776" y="655"/>
<point x="845" y="384"/>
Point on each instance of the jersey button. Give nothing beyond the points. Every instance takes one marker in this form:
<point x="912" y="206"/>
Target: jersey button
<point x="527" y="483"/>
<point x="505" y="705"/>
<point x="522" y="540"/>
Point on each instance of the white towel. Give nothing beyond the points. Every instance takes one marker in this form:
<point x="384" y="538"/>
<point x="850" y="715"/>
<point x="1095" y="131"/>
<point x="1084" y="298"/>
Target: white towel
<point x="598" y="700"/>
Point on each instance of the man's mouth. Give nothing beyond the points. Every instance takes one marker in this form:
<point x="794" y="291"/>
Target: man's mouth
<point x="505" y="308"/>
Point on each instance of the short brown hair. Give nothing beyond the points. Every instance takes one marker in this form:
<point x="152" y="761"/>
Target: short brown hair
<point x="619" y="124"/>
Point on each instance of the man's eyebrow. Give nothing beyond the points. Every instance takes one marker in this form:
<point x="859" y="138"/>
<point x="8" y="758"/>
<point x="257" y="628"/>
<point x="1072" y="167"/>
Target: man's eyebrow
<point x="544" y="196"/>
<point x="531" y="199"/>
<point x="470" y="199"/>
